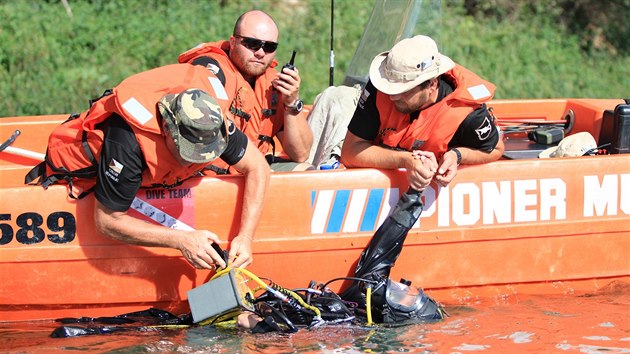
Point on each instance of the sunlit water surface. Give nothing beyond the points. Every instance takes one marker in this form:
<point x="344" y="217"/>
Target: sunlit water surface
<point x="593" y="323"/>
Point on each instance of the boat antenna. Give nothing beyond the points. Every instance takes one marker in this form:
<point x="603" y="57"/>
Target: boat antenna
<point x="332" y="48"/>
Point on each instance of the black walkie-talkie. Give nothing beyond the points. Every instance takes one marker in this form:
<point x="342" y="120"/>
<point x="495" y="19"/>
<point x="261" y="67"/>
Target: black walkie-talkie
<point x="290" y="65"/>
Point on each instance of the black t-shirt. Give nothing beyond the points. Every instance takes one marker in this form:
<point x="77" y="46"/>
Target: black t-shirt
<point x="472" y="132"/>
<point x="115" y="186"/>
<point x="212" y="65"/>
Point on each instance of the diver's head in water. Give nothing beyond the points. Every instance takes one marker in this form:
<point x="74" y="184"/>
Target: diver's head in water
<point x="404" y="303"/>
<point x="394" y="302"/>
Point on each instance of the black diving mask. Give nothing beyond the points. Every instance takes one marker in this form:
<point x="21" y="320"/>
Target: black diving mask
<point x="408" y="304"/>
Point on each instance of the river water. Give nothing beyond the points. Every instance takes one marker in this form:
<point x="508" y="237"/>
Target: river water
<point x="592" y="323"/>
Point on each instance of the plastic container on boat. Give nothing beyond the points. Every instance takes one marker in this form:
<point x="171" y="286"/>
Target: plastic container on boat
<point x="616" y="129"/>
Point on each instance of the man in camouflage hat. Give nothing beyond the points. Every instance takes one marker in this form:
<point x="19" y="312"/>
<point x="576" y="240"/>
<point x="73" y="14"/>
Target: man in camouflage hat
<point x="195" y="133"/>
<point x="194" y="121"/>
<point x="156" y="129"/>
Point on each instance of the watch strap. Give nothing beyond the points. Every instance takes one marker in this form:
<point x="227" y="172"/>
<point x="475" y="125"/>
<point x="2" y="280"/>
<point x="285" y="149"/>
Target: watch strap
<point x="459" y="155"/>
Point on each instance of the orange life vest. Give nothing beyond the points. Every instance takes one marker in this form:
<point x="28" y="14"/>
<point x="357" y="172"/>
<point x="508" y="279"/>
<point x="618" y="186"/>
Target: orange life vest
<point x="257" y="112"/>
<point x="437" y="124"/>
<point x="74" y="146"/>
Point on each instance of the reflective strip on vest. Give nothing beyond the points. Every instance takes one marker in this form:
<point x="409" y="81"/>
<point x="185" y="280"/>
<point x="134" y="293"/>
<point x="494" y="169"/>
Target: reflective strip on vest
<point x="136" y="110"/>
<point x="218" y="88"/>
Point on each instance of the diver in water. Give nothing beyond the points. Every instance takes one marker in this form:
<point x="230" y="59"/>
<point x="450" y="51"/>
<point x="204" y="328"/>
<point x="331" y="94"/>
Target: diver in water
<point x="372" y="298"/>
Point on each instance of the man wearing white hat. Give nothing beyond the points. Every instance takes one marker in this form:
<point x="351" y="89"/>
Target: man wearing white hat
<point x="422" y="112"/>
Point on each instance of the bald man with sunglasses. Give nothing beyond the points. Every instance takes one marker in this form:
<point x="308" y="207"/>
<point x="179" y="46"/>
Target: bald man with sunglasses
<point x="266" y="105"/>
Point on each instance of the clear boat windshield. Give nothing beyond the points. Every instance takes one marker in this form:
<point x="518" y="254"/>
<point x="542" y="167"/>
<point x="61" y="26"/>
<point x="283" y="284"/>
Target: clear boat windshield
<point x="391" y="21"/>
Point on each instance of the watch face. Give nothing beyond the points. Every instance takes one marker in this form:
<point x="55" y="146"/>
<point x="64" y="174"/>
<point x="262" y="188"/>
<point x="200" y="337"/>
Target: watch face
<point x="297" y="107"/>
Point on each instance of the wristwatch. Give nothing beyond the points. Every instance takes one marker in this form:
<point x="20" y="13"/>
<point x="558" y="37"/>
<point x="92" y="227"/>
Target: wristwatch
<point x="296" y="107"/>
<point x="458" y="154"/>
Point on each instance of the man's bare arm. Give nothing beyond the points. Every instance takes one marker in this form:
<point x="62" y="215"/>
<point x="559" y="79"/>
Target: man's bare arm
<point x="296" y="137"/>
<point x="196" y="246"/>
<point x="357" y="152"/>
<point x="256" y="172"/>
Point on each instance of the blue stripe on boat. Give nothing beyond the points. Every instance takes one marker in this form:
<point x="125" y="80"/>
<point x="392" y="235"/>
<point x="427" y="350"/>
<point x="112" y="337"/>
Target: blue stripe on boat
<point x="371" y="210"/>
<point x="340" y="204"/>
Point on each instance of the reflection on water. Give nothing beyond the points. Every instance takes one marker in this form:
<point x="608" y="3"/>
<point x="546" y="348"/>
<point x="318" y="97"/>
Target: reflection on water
<point x="593" y="323"/>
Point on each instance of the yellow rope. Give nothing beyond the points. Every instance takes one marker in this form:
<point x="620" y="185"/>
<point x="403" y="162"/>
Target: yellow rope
<point x="303" y="303"/>
<point x="368" y="305"/>
<point x="264" y="285"/>
<point x="289" y="292"/>
<point x="252" y="276"/>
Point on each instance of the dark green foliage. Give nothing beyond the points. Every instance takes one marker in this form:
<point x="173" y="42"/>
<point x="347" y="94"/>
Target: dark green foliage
<point x="528" y="50"/>
<point x="51" y="62"/>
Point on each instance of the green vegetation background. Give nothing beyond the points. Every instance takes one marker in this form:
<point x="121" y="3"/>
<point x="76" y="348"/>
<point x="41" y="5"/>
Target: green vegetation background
<point x="53" y="58"/>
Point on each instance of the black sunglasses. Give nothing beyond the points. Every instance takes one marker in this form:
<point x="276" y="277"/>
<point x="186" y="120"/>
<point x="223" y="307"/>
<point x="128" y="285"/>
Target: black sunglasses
<point x="255" y="44"/>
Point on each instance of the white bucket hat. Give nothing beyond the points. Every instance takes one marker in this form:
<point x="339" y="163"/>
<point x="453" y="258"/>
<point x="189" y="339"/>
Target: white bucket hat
<point x="411" y="62"/>
<point x="573" y="145"/>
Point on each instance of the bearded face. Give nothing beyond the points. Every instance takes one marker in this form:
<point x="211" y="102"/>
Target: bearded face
<point x="250" y="63"/>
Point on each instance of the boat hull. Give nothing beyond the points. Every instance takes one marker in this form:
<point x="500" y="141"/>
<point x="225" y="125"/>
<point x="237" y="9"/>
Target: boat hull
<point x="513" y="226"/>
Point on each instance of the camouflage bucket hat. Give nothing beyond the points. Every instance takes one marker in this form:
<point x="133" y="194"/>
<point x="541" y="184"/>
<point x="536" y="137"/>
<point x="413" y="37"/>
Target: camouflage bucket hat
<point x="195" y="122"/>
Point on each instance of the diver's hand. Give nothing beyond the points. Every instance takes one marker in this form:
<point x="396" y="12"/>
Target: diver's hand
<point x="241" y="251"/>
<point x="198" y="251"/>
<point x="421" y="168"/>
<point x="427" y="158"/>
<point x="248" y="320"/>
